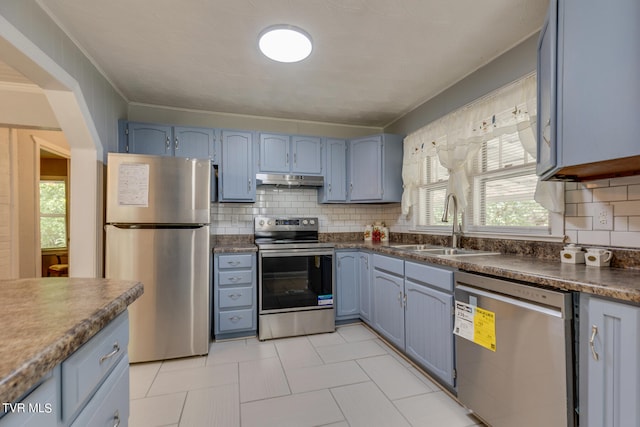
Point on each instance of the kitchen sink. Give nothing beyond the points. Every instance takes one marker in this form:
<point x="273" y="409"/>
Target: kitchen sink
<point x="443" y="251"/>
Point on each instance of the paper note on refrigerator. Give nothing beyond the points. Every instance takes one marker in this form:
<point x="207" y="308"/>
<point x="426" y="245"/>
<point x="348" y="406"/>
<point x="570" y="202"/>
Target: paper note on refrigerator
<point x="133" y="184"/>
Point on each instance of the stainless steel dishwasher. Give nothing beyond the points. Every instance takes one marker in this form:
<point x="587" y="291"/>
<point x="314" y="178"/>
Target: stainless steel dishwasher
<point x="513" y="352"/>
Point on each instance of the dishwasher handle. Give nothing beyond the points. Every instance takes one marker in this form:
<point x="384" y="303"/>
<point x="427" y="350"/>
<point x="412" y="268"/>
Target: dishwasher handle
<point x="518" y="303"/>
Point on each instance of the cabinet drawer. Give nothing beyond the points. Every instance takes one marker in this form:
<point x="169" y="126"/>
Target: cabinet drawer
<point x="235" y="261"/>
<point x="434" y="276"/>
<point x="230" y="321"/>
<point x="85" y="369"/>
<point x="110" y="405"/>
<point x="392" y="265"/>
<point x="241" y="277"/>
<point x="235" y="297"/>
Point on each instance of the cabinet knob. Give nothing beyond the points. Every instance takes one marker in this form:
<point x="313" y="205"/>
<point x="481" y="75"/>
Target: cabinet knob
<point x="116" y="419"/>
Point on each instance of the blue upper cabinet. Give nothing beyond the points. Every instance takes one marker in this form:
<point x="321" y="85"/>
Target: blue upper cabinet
<point x="589" y="123"/>
<point x="363" y="170"/>
<point x="307" y="155"/>
<point x="147" y="138"/>
<point x="194" y="142"/>
<point x="274" y="153"/>
<point x="237" y="172"/>
<point x="166" y="140"/>
<point x="365" y="165"/>
<point x="375" y="169"/>
<point x="335" y="176"/>
<point x="290" y="154"/>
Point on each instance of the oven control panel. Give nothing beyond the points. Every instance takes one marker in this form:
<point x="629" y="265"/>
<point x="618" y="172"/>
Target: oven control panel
<point x="264" y="223"/>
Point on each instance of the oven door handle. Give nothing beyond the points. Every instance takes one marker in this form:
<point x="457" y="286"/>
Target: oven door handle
<point x="294" y="252"/>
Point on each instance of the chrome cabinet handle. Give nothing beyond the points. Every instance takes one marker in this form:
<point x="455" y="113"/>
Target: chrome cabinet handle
<point x="235" y="296"/>
<point x="287" y="162"/>
<point x="167" y="143"/>
<point x="594" y="332"/>
<point x="116" y="349"/>
<point x="233" y="263"/>
<point x="176" y="143"/>
<point x="400" y="298"/>
<point x="295" y="158"/>
<point x="234" y="279"/>
<point x="249" y="187"/>
<point x="329" y="187"/>
<point x="234" y="319"/>
<point x="116" y="419"/>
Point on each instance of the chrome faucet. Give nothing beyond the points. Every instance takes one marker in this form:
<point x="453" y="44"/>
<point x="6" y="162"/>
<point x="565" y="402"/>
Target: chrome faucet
<point x="456" y="231"/>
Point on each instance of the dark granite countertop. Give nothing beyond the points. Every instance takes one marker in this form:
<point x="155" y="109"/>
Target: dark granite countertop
<point x="617" y="283"/>
<point x="45" y="320"/>
<point x="234" y="247"/>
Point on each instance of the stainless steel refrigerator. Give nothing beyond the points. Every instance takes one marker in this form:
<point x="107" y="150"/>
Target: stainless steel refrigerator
<point x="157" y="232"/>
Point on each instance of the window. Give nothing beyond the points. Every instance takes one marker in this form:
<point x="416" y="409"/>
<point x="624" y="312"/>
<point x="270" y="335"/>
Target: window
<point x="431" y="192"/>
<point x="503" y="185"/>
<point x="484" y="153"/>
<point x="53" y="213"/>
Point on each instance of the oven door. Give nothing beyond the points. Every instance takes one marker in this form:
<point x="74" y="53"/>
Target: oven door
<point x="295" y="279"/>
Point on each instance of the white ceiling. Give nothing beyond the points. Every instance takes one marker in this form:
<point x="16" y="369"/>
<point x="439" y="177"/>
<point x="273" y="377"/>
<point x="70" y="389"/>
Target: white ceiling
<point x="373" y="60"/>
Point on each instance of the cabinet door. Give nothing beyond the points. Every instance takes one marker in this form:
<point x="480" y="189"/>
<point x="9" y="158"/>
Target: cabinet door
<point x="145" y="138"/>
<point x="388" y="309"/>
<point x="598" y="87"/>
<point x="429" y="325"/>
<point x="236" y="179"/>
<point x="274" y="153"/>
<point x="613" y="364"/>
<point x="364" y="276"/>
<point x="307" y="155"/>
<point x="365" y="161"/>
<point x="347" y="284"/>
<point x="546" y="99"/>
<point x="335" y="184"/>
<point x="193" y="142"/>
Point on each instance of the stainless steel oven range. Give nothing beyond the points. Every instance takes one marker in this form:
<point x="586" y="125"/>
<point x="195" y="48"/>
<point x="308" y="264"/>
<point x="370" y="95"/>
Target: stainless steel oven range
<point x="295" y="278"/>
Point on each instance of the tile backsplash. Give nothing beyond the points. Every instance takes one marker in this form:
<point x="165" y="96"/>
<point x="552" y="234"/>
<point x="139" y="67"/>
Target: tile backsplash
<point x="598" y="213"/>
<point x="605" y="212"/>
<point x="237" y="218"/>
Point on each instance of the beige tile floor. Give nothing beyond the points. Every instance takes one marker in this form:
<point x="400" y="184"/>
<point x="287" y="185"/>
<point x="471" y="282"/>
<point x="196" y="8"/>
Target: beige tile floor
<point x="346" y="378"/>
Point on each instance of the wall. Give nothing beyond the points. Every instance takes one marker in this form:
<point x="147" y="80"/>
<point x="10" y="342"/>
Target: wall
<point x="86" y="106"/>
<point x="184" y="117"/>
<point x="7" y="269"/>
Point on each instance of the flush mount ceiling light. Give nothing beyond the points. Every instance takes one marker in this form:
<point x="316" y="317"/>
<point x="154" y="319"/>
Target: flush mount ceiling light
<point x="285" y="43"/>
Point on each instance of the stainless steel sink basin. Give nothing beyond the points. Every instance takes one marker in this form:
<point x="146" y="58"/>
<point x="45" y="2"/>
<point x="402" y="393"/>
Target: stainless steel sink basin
<point x="443" y="251"/>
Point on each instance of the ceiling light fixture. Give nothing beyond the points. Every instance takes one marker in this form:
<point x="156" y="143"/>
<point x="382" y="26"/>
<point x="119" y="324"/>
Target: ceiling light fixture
<point x="285" y="43"/>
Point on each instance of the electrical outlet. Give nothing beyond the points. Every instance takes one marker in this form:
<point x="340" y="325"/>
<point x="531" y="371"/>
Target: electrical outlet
<point x="602" y="217"/>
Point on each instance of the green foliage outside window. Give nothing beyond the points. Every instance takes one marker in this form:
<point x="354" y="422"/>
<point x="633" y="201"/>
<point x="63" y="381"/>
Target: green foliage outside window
<point x="53" y="215"/>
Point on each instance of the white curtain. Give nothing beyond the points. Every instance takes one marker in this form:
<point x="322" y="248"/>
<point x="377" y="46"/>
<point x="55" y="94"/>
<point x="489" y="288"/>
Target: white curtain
<point x="458" y="136"/>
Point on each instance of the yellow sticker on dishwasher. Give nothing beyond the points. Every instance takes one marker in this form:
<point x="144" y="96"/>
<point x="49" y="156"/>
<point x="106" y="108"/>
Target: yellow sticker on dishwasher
<point x="484" y="328"/>
<point x="475" y="324"/>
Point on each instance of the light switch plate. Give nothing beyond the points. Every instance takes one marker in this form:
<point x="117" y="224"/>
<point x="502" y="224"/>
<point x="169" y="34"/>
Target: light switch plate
<point x="602" y="216"/>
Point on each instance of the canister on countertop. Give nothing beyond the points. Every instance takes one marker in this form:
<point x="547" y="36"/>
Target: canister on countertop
<point x="572" y="254"/>
<point x="384" y="234"/>
<point x="368" y="232"/>
<point x="598" y="257"/>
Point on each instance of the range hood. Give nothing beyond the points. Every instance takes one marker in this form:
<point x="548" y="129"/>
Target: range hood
<point x="280" y="180"/>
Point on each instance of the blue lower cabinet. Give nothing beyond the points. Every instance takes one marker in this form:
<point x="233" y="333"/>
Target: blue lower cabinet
<point x="609" y="363"/>
<point x="234" y="295"/>
<point x="347" y="287"/>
